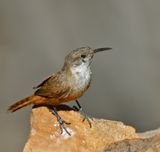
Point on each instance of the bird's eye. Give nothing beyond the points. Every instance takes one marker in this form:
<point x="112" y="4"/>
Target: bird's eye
<point x="83" y="56"/>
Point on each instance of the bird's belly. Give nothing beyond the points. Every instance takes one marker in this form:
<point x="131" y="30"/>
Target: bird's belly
<point x="78" y="90"/>
<point x="75" y="93"/>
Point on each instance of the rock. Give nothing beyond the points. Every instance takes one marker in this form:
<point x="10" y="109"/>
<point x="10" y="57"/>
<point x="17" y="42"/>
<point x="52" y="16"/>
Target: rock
<point x="104" y="135"/>
<point x="151" y="144"/>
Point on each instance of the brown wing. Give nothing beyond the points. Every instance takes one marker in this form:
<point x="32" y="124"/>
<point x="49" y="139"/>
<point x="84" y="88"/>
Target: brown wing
<point x="55" y="86"/>
<point x="43" y="82"/>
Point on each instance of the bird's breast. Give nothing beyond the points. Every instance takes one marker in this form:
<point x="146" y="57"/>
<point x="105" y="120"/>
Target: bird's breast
<point x="82" y="78"/>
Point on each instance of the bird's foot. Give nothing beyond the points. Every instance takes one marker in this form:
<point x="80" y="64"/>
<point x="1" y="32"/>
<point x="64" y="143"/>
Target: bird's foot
<point x="60" y="121"/>
<point x="85" y="116"/>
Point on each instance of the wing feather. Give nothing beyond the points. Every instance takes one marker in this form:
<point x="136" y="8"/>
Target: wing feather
<point x="55" y="86"/>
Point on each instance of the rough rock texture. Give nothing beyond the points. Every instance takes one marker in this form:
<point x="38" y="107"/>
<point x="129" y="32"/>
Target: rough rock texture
<point x="136" y="145"/>
<point x="105" y="135"/>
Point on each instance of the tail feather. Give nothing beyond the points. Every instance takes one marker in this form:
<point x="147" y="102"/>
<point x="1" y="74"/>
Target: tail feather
<point x="24" y="102"/>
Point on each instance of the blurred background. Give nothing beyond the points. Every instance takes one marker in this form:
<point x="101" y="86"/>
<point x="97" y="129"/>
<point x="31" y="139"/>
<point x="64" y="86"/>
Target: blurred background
<point x="35" y="36"/>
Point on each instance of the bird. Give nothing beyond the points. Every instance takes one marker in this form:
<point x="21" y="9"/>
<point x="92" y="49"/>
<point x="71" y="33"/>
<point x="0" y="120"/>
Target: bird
<point x="68" y="84"/>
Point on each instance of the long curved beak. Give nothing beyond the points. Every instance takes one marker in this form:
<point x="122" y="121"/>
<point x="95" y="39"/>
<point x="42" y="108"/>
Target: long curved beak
<point x="101" y="49"/>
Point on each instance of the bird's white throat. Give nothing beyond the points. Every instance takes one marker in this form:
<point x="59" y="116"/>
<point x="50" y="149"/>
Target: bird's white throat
<point x="82" y="75"/>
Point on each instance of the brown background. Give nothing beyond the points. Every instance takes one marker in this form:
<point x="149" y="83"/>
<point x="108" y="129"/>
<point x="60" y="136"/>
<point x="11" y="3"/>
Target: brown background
<point x="35" y="36"/>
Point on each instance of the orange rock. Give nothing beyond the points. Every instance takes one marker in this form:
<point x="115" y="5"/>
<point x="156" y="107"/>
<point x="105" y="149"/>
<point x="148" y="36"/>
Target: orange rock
<point x="45" y="133"/>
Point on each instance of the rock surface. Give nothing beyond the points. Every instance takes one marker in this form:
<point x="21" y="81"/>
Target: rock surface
<point x="104" y="135"/>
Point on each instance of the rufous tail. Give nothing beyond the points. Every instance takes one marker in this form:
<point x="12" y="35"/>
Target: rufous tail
<point x="24" y="102"/>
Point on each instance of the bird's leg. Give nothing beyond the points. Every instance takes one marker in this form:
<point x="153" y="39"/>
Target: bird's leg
<point x="80" y="109"/>
<point x="60" y="121"/>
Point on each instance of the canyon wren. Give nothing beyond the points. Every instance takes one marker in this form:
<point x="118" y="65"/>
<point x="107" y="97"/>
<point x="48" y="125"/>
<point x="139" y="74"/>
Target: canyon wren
<point x="66" y="85"/>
